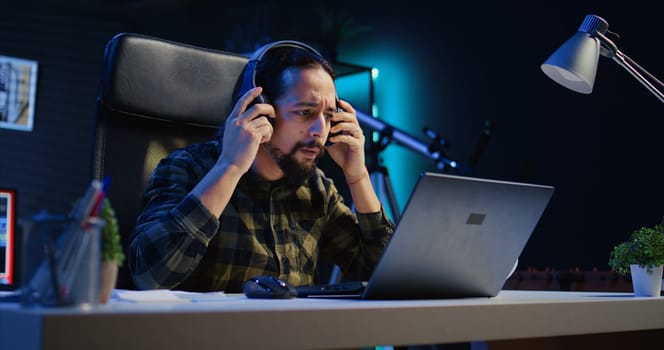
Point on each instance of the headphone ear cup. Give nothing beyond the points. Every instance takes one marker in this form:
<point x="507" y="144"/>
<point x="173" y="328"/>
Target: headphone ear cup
<point x="332" y="134"/>
<point x="259" y="99"/>
<point x="262" y="99"/>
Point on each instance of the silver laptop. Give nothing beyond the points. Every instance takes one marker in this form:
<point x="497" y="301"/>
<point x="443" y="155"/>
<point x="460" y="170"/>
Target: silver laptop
<point x="457" y="237"/>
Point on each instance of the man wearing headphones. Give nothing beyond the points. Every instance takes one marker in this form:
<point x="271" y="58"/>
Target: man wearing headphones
<point x="253" y="201"/>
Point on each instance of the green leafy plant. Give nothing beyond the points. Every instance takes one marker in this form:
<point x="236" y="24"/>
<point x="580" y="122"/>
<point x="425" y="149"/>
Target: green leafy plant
<point x="111" y="248"/>
<point x="644" y="247"/>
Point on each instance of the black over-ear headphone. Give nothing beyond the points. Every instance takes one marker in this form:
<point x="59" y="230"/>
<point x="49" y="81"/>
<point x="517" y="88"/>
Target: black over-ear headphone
<point x="249" y="74"/>
<point x="248" y="81"/>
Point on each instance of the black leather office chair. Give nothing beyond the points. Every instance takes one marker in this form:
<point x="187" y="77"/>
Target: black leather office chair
<point x="154" y="96"/>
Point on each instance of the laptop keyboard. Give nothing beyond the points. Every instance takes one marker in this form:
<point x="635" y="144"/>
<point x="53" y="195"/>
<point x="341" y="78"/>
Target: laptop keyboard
<point x="352" y="288"/>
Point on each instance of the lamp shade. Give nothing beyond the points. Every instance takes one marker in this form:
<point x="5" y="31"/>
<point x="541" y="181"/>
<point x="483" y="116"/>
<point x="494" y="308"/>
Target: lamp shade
<point x="574" y="64"/>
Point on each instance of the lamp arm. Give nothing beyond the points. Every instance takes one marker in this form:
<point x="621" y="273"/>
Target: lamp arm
<point x="621" y="60"/>
<point x="650" y="76"/>
<point x="628" y="64"/>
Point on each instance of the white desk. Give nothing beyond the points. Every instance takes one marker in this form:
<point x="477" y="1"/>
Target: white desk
<point x="240" y="323"/>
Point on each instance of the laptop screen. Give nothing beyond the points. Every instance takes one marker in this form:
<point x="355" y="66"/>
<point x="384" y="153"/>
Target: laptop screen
<point x="457" y="237"/>
<point x="7" y="239"/>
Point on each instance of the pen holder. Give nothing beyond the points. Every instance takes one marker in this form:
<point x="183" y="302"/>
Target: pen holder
<point x="60" y="261"/>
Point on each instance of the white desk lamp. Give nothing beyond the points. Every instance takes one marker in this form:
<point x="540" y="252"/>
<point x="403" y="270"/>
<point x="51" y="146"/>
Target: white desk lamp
<point x="574" y="64"/>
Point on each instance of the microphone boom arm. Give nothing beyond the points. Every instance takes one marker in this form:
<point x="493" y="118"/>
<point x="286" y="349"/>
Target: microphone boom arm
<point x="388" y="133"/>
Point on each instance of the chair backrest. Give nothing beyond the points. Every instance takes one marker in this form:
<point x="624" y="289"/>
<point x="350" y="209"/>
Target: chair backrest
<point x="154" y="96"/>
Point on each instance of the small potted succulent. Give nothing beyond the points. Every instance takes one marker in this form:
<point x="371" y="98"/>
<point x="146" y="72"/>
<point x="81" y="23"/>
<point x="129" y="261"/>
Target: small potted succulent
<point x="112" y="256"/>
<point x="641" y="256"/>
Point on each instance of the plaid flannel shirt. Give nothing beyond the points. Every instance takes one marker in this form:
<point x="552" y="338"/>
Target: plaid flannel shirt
<point x="268" y="228"/>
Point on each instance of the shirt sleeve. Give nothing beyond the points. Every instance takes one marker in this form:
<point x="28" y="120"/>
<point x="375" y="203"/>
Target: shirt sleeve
<point x="174" y="229"/>
<point x="355" y="242"/>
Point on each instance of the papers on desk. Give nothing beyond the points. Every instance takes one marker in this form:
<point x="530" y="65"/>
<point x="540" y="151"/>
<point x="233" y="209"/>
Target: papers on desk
<point x="163" y="296"/>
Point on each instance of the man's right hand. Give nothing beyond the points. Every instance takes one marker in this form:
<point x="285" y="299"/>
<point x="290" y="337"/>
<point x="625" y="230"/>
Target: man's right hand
<point x="245" y="130"/>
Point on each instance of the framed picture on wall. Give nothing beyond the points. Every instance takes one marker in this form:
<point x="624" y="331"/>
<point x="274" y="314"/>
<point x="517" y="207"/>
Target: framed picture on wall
<point x="7" y="238"/>
<point x="18" y="89"/>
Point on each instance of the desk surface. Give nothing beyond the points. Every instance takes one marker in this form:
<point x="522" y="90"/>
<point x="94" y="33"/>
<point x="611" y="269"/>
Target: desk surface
<point x="241" y="323"/>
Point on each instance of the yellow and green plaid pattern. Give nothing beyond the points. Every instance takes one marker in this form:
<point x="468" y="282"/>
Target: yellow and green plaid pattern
<point x="269" y="228"/>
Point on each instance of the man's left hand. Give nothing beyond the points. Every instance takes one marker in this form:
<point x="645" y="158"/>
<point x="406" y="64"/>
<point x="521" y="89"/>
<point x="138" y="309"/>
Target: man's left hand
<point x="347" y="149"/>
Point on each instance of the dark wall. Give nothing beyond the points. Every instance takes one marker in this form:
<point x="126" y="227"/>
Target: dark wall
<point x="471" y="63"/>
<point x="49" y="167"/>
<point x="600" y="151"/>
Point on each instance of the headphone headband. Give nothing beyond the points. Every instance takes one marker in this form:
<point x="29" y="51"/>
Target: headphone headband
<point x="249" y="74"/>
<point x="261" y="51"/>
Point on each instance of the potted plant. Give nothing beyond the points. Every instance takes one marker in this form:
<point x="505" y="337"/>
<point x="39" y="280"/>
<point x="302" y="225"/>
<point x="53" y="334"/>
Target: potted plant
<point x="112" y="256"/>
<point x="642" y="256"/>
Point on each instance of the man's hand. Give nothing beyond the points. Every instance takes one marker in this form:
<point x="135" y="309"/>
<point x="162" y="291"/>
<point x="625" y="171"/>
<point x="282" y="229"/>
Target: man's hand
<point x="347" y="149"/>
<point x="245" y="130"/>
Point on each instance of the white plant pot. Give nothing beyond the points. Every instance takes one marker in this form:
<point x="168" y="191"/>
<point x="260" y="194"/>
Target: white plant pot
<point x="646" y="284"/>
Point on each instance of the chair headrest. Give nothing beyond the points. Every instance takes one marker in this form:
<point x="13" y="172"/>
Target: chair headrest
<point x="156" y="78"/>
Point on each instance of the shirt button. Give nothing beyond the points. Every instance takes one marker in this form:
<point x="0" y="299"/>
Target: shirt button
<point x="284" y="260"/>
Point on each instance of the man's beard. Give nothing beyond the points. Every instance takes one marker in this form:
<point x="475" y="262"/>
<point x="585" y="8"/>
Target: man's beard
<point x="297" y="173"/>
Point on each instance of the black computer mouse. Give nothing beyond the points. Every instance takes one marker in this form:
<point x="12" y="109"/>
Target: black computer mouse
<point x="268" y="287"/>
